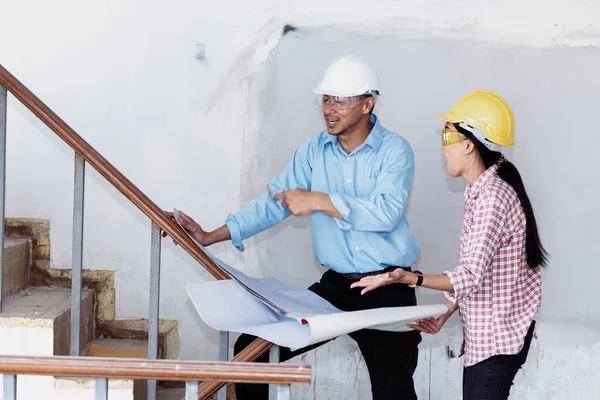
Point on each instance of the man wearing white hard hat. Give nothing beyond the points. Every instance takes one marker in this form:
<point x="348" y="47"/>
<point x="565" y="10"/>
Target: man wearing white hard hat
<point x="354" y="180"/>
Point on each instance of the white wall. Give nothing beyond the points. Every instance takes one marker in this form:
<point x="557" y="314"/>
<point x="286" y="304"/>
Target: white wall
<point x="553" y="95"/>
<point x="122" y="73"/>
<point x="552" y="92"/>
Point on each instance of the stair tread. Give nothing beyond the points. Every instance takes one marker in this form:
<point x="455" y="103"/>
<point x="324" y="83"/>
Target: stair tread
<point x="38" y="302"/>
<point x="120" y="348"/>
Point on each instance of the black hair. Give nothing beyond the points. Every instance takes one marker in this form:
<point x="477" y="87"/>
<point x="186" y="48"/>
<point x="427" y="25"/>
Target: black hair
<point x="536" y="254"/>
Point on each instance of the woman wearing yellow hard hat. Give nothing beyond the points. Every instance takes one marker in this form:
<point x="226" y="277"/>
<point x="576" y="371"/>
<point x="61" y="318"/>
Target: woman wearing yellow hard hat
<point x="497" y="285"/>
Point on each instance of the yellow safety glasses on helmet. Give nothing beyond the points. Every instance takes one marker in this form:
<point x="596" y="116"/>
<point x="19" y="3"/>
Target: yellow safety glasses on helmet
<point x="450" y="137"/>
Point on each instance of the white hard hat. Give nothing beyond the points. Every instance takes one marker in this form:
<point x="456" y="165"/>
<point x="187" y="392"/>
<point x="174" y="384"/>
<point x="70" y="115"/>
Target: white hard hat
<point x="348" y="76"/>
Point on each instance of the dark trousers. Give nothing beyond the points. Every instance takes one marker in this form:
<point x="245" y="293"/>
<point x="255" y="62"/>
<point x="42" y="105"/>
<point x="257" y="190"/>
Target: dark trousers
<point x="492" y="378"/>
<point x="391" y="357"/>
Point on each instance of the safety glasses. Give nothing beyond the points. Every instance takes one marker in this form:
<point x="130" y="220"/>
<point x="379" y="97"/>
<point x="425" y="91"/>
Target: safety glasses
<point x="450" y="137"/>
<point x="341" y="103"/>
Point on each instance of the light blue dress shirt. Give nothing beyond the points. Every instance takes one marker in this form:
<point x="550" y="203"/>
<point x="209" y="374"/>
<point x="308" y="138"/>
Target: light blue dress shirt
<point x="369" y="187"/>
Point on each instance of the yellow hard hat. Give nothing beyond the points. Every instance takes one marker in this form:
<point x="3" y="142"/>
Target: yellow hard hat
<point x="486" y="111"/>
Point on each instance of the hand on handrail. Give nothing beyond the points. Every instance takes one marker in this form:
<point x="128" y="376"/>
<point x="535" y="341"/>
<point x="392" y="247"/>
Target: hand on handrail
<point x="191" y="226"/>
<point x="203" y="237"/>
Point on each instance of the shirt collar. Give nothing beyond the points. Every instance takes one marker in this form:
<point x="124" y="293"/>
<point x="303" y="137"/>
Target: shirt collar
<point x="473" y="190"/>
<point x="374" y="140"/>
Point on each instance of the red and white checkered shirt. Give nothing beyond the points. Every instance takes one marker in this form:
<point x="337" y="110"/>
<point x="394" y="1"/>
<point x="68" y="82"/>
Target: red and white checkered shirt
<point x="496" y="291"/>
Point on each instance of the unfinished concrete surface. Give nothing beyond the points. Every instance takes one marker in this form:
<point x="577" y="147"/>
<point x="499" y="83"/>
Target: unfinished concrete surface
<point x="102" y="283"/>
<point x="43" y="312"/>
<point x="137" y="329"/>
<point x="15" y="268"/>
<point x="36" y="321"/>
<point x="119" y="348"/>
<point x="34" y="229"/>
<point x="37" y="232"/>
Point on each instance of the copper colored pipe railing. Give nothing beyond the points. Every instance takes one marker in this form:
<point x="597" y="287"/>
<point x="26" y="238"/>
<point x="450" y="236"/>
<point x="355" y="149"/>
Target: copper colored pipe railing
<point x="129" y="190"/>
<point x="168" y="370"/>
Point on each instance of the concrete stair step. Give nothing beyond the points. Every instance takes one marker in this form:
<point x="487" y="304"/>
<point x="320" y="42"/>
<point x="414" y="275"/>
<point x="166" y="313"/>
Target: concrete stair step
<point x="130" y="331"/>
<point x="37" y="321"/>
<point x="117" y="348"/>
<point x="137" y="329"/>
<point x="16" y="265"/>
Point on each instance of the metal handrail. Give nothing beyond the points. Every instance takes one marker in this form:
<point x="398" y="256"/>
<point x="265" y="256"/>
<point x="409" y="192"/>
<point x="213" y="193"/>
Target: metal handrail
<point x="118" y="368"/>
<point x="85" y="151"/>
<point x="144" y="369"/>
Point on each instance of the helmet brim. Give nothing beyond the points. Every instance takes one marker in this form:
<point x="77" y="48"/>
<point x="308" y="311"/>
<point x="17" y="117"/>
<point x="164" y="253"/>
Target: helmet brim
<point x="448" y="118"/>
<point x="332" y="92"/>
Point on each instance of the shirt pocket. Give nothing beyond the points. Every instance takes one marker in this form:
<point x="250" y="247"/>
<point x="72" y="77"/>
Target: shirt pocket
<point x="365" y="186"/>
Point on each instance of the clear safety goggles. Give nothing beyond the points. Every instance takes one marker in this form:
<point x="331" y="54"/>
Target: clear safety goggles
<point x="450" y="137"/>
<point x="341" y="103"/>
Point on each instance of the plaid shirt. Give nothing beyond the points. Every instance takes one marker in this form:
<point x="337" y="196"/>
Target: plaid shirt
<point x="496" y="291"/>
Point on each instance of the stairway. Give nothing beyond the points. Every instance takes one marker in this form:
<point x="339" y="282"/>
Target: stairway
<point x="36" y="319"/>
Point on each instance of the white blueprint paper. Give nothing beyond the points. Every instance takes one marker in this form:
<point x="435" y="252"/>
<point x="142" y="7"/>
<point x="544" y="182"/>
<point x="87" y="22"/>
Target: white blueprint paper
<point x="287" y="315"/>
<point x="238" y="311"/>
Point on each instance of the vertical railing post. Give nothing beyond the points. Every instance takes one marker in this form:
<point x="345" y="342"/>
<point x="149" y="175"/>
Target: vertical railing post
<point x="284" y="392"/>
<point x="223" y="356"/>
<point x="10" y="387"/>
<point x="273" y="359"/>
<point x="191" y="390"/>
<point x="101" y="389"/>
<point x="3" y="101"/>
<point x="154" y="302"/>
<point x="77" y="265"/>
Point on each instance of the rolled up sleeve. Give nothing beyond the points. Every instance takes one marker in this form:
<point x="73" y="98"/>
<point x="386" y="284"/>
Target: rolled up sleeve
<point x="264" y="212"/>
<point x="342" y="206"/>
<point x="234" y="231"/>
<point x="450" y="296"/>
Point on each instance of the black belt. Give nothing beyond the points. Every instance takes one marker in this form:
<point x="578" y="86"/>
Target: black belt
<point x="358" y="276"/>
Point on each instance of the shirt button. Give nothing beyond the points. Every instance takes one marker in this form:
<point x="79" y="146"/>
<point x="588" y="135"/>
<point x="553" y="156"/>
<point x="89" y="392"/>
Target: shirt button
<point x="357" y="248"/>
<point x="347" y="180"/>
<point x="362" y="271"/>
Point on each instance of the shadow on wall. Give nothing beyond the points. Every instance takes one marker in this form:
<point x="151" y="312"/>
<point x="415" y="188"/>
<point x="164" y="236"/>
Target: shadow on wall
<point x="553" y="95"/>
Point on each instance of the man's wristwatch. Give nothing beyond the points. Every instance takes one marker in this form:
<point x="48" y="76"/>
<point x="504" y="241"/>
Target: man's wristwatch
<point x="419" y="283"/>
